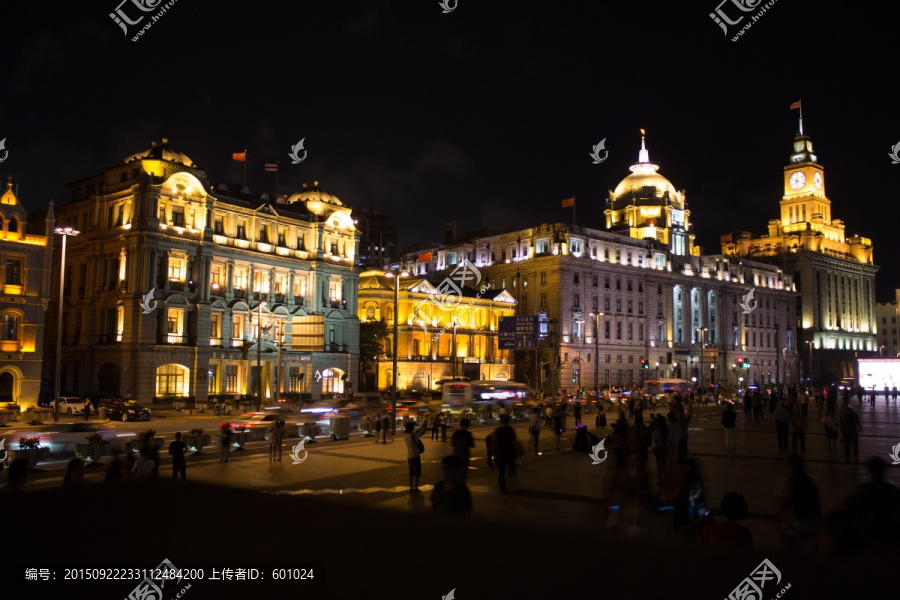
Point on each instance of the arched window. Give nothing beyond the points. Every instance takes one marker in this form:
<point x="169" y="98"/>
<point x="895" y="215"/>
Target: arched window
<point x="370" y="313"/>
<point x="7" y="386"/>
<point x="389" y="312"/>
<point x="415" y="348"/>
<point x="13" y="224"/>
<point x="10" y="327"/>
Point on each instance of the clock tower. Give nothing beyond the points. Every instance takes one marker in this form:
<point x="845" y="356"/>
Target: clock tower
<point x="804" y="186"/>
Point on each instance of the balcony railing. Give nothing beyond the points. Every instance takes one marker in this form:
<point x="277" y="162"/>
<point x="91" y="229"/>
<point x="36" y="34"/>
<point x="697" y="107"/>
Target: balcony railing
<point x="279" y="298"/>
<point x="108" y="338"/>
<point x="176" y="339"/>
<point x="242" y="294"/>
<point x="215" y="341"/>
<point x="335" y="347"/>
<point x="237" y="342"/>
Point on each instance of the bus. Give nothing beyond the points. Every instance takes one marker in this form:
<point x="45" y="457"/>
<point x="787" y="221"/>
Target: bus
<point x="468" y="394"/>
<point x="663" y="387"/>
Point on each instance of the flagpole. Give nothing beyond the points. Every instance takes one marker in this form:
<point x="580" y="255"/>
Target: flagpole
<point x="245" y="168"/>
<point x="574" y="220"/>
<point x="800" y="106"/>
<point x="276" y="179"/>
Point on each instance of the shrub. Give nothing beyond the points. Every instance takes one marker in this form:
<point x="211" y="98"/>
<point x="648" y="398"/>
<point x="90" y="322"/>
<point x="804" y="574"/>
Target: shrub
<point x="29" y="443"/>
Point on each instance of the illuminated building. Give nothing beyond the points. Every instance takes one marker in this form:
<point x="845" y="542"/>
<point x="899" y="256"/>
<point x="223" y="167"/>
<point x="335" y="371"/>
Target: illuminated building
<point x="835" y="274"/>
<point x="886" y="317"/>
<point x="213" y="259"/>
<point x="25" y="277"/>
<point x="638" y="292"/>
<point x="468" y="332"/>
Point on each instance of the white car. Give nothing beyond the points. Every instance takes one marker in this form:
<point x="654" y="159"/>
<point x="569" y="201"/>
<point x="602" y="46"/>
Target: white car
<point x="69" y="405"/>
<point x="62" y="437"/>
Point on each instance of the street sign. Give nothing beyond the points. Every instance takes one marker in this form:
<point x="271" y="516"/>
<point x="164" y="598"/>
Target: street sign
<point x="519" y="333"/>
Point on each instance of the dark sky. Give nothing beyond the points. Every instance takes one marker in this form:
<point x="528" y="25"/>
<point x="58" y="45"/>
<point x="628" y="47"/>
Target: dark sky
<point x="486" y="114"/>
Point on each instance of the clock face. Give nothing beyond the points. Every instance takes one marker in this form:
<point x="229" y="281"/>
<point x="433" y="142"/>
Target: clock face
<point x="797" y="180"/>
<point x="817" y="179"/>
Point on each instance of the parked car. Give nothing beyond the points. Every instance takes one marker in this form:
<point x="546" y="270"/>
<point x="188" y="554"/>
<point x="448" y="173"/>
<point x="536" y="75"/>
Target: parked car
<point x="70" y="405"/>
<point x="62" y="437"/>
<point x="126" y="410"/>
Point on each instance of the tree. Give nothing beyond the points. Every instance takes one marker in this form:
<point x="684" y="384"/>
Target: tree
<point x="525" y="364"/>
<point x="372" y="335"/>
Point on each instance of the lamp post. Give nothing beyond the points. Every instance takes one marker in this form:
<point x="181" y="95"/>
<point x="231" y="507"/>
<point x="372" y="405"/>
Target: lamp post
<point x="702" y="331"/>
<point x="809" y="375"/>
<point x="259" y="332"/>
<point x="64" y="232"/>
<point x="596" y="351"/>
<point x="396" y="275"/>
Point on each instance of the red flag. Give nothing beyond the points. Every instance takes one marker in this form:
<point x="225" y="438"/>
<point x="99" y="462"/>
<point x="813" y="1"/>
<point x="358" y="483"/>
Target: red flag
<point x="427" y="257"/>
<point x="568" y="202"/>
<point x="795" y="105"/>
<point x="239" y="156"/>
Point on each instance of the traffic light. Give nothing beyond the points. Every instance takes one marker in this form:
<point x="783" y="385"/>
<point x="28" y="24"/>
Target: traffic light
<point x="746" y="363"/>
<point x="645" y="364"/>
<point x="573" y="380"/>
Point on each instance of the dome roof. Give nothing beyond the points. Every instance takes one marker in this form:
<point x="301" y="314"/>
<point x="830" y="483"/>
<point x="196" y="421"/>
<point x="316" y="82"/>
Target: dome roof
<point x="644" y="174"/>
<point x="316" y="195"/>
<point x="162" y="152"/>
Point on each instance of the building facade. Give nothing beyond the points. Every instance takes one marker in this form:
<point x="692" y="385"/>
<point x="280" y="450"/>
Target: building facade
<point x="639" y="302"/>
<point x="170" y="278"/>
<point x="834" y="273"/>
<point x="25" y="255"/>
<point x="436" y="341"/>
<point x="886" y="317"/>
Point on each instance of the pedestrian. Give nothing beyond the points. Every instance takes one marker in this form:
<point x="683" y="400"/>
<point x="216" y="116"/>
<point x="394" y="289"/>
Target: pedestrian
<point x="270" y="439"/>
<point x="782" y="420"/>
<point x="800" y="509"/>
<point x="728" y="534"/>
<point x="225" y="439"/>
<point x="377" y="428"/>
<point x="444" y="421"/>
<point x="831" y="433"/>
<point x="414" y="449"/>
<point x="451" y="495"/>
<point x="154" y="456"/>
<point x="143" y="468"/>
<point x="179" y="463"/>
<point x="689" y="512"/>
<point x="577" y="412"/>
<point x="534" y="427"/>
<point x="385" y="427"/>
<point x="435" y="425"/>
<point x="661" y="450"/>
<point x="685" y="423"/>
<point x="74" y="473"/>
<point x="798" y="430"/>
<point x="748" y="407"/>
<point x="88" y="408"/>
<point x="462" y="441"/>
<point x="804" y="403"/>
<point x="757" y="406"/>
<point x="548" y="416"/>
<point x="114" y="470"/>
<point x="558" y="426"/>
<point x="279" y="438"/>
<point x="639" y="438"/>
<point x="729" y="418"/>
<point x="504" y="448"/>
<point x="850" y="429"/>
<point x="894" y="393"/>
<point x="369" y="424"/>
<point x="878" y="509"/>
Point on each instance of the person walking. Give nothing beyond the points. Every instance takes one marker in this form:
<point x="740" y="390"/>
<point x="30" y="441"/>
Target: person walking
<point x="88" y="408"/>
<point x="414" y="449"/>
<point x="685" y="423"/>
<point x="225" y="439"/>
<point x="444" y="420"/>
<point x="179" y="463"/>
<point x="800" y="509"/>
<point x="451" y="495"/>
<point x="435" y="425"/>
<point x="270" y="440"/>
<point x="782" y="420"/>
<point x="798" y="430"/>
<point x="504" y="445"/>
<point x="804" y="403"/>
<point x="548" y="416"/>
<point x="74" y="473"/>
<point x="831" y="433"/>
<point x="638" y="441"/>
<point x="143" y="468"/>
<point x="279" y="438"/>
<point x="850" y="429"/>
<point x="378" y="422"/>
<point x="729" y="419"/>
<point x="558" y="425"/>
<point x="661" y="450"/>
<point x="385" y="427"/>
<point x="534" y="427"/>
<point x="576" y="411"/>
<point x="462" y="442"/>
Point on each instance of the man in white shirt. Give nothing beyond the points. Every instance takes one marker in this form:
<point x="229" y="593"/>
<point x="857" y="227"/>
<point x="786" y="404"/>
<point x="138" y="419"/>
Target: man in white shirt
<point x="414" y="455"/>
<point x="143" y="468"/>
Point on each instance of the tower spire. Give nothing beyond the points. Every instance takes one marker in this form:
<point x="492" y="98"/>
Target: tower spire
<point x="643" y="155"/>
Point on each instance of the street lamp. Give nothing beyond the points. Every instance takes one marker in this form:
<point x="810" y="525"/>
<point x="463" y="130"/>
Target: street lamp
<point x="811" y="344"/>
<point x="702" y="331"/>
<point x="64" y="232"/>
<point x="259" y="332"/>
<point x="397" y="275"/>
<point x="597" y="351"/>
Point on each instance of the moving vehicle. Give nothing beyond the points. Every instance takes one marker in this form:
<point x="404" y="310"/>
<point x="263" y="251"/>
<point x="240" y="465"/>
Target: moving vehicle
<point x="126" y="410"/>
<point x="462" y="394"/>
<point x="62" y="437"/>
<point x="263" y="420"/>
<point x="663" y="387"/>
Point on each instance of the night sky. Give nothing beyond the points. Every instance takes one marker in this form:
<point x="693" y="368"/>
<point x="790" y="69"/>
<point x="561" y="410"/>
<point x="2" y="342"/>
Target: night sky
<point x="486" y="114"/>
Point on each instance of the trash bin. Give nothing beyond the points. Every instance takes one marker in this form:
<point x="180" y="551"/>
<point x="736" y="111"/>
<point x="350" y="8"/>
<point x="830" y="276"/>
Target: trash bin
<point x="340" y="427"/>
<point x="102" y="413"/>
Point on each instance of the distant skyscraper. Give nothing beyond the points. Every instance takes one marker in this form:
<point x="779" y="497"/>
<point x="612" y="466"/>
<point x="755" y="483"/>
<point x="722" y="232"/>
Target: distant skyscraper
<point x="449" y="231"/>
